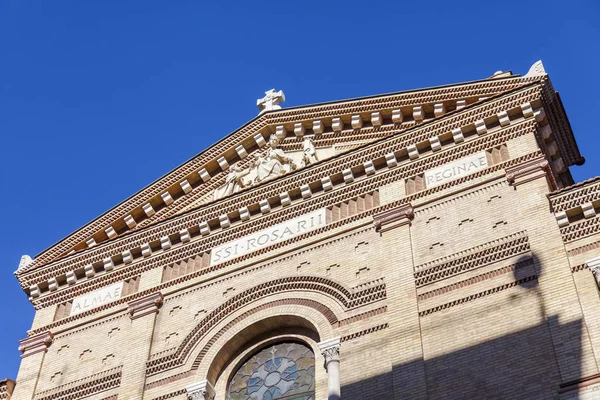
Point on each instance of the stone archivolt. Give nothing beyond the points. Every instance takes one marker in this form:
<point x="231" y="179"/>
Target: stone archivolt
<point x="346" y="298"/>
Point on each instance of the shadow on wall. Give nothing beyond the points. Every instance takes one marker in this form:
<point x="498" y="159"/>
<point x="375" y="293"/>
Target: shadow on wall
<point x="519" y="365"/>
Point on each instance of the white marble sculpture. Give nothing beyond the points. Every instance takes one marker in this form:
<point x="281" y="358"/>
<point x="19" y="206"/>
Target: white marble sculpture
<point x="273" y="163"/>
<point x="233" y="183"/>
<point x="309" y="155"/>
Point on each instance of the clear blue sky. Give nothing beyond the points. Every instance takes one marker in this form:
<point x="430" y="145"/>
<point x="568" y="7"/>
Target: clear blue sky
<point x="100" y="98"/>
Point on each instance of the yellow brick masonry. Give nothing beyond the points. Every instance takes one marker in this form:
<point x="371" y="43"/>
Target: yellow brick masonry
<point x="507" y="325"/>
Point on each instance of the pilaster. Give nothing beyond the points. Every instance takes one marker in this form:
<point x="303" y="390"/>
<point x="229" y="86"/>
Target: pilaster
<point x="405" y="348"/>
<point x="559" y="303"/>
<point x="34" y="350"/>
<point x="142" y="313"/>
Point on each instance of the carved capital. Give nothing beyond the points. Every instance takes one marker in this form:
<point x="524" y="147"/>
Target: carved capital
<point x="393" y="218"/>
<point x="146" y="305"/>
<point x="330" y="349"/>
<point x="36" y="344"/>
<point x="202" y="390"/>
<point x="529" y="171"/>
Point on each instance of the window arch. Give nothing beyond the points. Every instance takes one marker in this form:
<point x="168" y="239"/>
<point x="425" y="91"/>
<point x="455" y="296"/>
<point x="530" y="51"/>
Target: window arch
<point x="285" y="370"/>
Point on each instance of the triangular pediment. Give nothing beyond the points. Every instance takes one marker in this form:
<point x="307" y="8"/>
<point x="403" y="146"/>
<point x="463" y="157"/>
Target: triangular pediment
<point x="334" y="128"/>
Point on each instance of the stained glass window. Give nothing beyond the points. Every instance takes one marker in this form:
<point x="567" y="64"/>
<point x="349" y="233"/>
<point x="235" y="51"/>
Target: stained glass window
<point x="281" y="371"/>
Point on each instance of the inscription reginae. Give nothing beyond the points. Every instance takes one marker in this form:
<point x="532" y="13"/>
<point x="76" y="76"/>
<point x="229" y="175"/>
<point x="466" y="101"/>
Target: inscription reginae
<point x="462" y="167"/>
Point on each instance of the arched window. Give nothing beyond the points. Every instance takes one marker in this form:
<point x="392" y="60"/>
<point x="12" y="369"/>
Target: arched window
<point x="281" y="371"/>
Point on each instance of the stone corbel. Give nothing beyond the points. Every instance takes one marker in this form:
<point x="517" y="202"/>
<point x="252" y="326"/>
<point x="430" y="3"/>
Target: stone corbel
<point x="146" y="305"/>
<point x="36" y="344"/>
<point x="393" y="218"/>
<point x="529" y="171"/>
<point x="202" y="390"/>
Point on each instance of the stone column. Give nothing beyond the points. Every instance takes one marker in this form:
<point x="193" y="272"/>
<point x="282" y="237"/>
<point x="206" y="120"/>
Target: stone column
<point x="202" y="390"/>
<point x="331" y="351"/>
<point x="142" y="313"/>
<point x="34" y="350"/>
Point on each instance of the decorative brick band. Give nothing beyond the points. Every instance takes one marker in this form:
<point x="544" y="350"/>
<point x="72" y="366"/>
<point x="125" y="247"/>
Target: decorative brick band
<point x="472" y="258"/>
<point x="169" y="379"/>
<point x="363" y="332"/>
<point x="360" y="317"/>
<point x="580" y="229"/>
<point x="476" y="279"/>
<point x="580" y="267"/>
<point x="36" y="344"/>
<point x="477" y="296"/>
<point x="584" y="249"/>
<point x="86" y="387"/>
<point x="171" y="395"/>
<point x="575" y="195"/>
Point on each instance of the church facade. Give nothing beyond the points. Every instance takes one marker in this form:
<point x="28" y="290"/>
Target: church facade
<point x="427" y="244"/>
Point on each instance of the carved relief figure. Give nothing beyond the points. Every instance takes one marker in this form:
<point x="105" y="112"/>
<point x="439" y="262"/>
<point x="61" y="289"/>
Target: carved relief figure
<point x="272" y="165"/>
<point x="233" y="183"/>
<point x="310" y="153"/>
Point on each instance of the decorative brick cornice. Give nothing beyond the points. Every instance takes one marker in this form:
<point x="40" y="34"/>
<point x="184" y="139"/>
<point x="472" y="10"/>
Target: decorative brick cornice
<point x="172" y="179"/>
<point x="36" y="344"/>
<point x="146" y="305"/>
<point x="290" y="182"/>
<point x="6" y="389"/>
<point x="393" y="218"/>
<point x="529" y="171"/>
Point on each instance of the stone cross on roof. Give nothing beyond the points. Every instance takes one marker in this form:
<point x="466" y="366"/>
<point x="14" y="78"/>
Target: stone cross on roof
<point x="271" y="101"/>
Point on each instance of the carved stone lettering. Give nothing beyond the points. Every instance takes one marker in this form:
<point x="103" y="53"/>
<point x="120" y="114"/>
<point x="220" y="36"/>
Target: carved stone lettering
<point x="269" y="236"/>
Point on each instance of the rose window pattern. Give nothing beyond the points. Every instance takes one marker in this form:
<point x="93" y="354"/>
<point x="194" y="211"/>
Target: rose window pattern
<point x="282" y="371"/>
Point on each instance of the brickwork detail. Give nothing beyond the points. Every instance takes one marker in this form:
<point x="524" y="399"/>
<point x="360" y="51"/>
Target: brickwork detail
<point x="476" y="279"/>
<point x="475" y="257"/>
<point x="96" y="383"/>
<point x="477" y="296"/>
